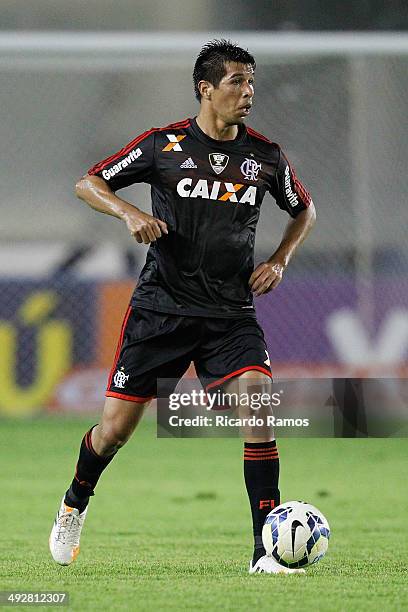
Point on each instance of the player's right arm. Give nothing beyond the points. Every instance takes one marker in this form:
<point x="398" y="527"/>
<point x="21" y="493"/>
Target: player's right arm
<point x="132" y="164"/>
<point x="95" y="191"/>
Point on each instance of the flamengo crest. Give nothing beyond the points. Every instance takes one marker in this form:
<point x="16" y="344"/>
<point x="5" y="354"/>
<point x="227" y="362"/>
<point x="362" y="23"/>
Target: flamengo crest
<point x="250" y="169"/>
<point x="218" y="162"/>
<point x="120" y="378"/>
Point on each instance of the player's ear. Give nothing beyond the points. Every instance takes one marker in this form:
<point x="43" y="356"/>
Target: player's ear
<point x="205" y="88"/>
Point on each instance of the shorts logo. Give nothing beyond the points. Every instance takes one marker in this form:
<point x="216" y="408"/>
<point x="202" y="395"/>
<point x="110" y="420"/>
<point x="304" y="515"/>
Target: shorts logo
<point x="218" y="162"/>
<point x="267" y="360"/>
<point x="174" y="142"/>
<point x="250" y="169"/>
<point x="120" y="378"/>
<point x="126" y="161"/>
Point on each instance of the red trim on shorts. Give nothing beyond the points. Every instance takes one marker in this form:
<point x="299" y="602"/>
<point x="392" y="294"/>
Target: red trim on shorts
<point x="119" y="345"/>
<point x="130" y="398"/>
<point x="237" y="373"/>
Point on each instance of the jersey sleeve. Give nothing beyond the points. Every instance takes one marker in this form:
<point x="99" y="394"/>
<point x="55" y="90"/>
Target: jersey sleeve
<point x="288" y="191"/>
<point x="132" y="164"/>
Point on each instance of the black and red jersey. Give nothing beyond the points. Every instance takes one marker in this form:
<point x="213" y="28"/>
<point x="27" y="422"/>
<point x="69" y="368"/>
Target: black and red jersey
<point x="209" y="193"/>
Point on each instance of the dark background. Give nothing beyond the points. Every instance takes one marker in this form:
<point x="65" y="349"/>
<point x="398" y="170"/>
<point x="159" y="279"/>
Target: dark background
<point x="210" y="15"/>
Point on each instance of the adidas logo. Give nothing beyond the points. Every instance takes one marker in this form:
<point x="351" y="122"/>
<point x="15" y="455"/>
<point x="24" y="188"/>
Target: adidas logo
<point x="188" y="164"/>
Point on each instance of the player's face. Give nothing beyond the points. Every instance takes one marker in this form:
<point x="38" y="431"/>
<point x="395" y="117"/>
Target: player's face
<point x="232" y="99"/>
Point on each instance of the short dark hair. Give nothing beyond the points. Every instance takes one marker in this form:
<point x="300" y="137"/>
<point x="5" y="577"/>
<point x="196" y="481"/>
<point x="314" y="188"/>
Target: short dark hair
<point x="210" y="63"/>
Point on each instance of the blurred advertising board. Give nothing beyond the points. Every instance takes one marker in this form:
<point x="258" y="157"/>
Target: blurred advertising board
<point x="58" y="339"/>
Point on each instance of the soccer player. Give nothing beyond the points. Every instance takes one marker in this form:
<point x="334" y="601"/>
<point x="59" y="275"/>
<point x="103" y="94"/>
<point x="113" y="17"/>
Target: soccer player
<point x="194" y="298"/>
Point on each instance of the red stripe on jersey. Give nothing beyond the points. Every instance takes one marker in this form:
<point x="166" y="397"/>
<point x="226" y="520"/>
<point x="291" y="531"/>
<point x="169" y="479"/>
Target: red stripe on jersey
<point x="180" y="124"/>
<point x="252" y="132"/>
<point x="100" y="165"/>
<point x="125" y="150"/>
<point x="300" y="190"/>
<point x="122" y="333"/>
<point x="303" y="194"/>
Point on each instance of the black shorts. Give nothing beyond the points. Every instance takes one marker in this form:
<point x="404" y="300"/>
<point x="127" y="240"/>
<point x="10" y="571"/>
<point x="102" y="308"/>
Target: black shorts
<point x="156" y="345"/>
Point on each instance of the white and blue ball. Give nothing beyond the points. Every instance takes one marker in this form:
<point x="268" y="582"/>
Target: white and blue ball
<point x="296" y="534"/>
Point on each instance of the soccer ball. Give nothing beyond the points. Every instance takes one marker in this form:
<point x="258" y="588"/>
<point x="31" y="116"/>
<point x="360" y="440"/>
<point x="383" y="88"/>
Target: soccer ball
<point x="296" y="534"/>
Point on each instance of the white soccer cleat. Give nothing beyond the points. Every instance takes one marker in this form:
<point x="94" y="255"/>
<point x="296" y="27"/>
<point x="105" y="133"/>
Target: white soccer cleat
<point x="268" y="565"/>
<point x="65" y="534"/>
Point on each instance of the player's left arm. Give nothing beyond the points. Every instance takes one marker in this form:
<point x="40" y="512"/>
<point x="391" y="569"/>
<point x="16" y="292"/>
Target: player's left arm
<point x="268" y="274"/>
<point x="290" y="195"/>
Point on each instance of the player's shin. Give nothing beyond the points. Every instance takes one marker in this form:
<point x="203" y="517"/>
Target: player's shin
<point x="88" y="470"/>
<point x="261" y="472"/>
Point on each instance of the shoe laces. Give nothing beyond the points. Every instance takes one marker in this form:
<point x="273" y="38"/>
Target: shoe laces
<point x="68" y="528"/>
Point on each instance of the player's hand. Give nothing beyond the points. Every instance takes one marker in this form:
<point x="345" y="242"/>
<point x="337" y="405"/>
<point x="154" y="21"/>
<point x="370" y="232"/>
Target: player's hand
<point x="266" y="277"/>
<point x="144" y="227"/>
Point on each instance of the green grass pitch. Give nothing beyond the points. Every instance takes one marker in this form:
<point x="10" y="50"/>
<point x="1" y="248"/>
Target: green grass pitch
<point x="169" y="527"/>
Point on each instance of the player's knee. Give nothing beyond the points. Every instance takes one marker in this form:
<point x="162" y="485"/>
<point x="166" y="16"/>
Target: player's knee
<point x="252" y="383"/>
<point x="118" y="423"/>
<point x="112" y="439"/>
<point x="114" y="435"/>
<point x="255" y="376"/>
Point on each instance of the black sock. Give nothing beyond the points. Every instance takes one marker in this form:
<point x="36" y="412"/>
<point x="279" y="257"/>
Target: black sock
<point x="261" y="471"/>
<point x="88" y="470"/>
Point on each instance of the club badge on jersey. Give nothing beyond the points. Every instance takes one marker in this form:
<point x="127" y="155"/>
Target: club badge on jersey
<point x="250" y="169"/>
<point x="218" y="162"/>
<point x="120" y="379"/>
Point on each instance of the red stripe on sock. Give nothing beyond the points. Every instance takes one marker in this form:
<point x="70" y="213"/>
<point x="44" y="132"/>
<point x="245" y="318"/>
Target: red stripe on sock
<point x="266" y="452"/>
<point x="261" y="458"/>
<point x="261" y="453"/>
<point x="259" y="450"/>
<point x="271" y="451"/>
<point x="88" y="442"/>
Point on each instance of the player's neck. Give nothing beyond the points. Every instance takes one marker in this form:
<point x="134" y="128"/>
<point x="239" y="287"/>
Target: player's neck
<point x="216" y="128"/>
